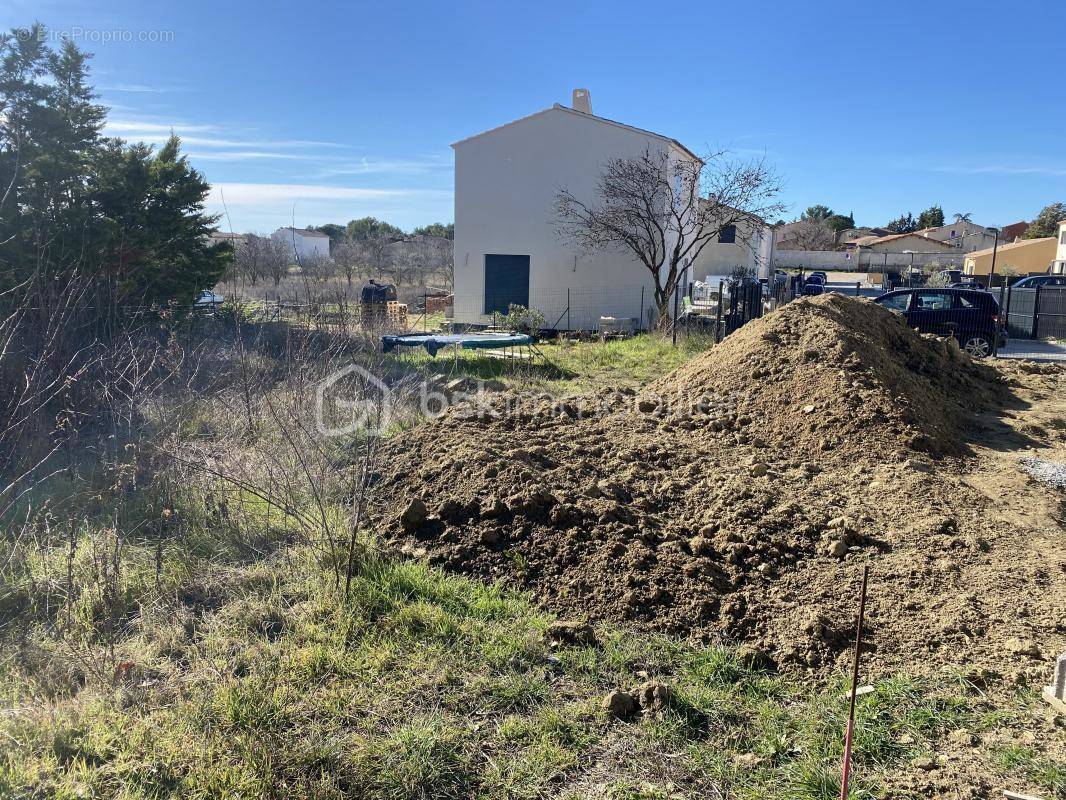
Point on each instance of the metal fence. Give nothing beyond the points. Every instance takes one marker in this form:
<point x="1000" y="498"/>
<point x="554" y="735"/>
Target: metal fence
<point x="563" y="308"/>
<point x="1037" y="313"/>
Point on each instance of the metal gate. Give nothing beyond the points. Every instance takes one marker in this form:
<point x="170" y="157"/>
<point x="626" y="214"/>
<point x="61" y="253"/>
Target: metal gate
<point x="1037" y="313"/>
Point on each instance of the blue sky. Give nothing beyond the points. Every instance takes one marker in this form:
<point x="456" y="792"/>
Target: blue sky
<point x="344" y="110"/>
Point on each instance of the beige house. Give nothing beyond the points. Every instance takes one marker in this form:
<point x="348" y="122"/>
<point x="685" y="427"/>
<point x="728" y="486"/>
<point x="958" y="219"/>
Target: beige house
<point x="1023" y="257"/>
<point x="962" y="235"/>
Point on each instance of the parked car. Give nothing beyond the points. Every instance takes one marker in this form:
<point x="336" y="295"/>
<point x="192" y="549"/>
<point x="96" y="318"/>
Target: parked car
<point x="1034" y="281"/>
<point x="823" y="275"/>
<point x="208" y="299"/>
<point x="815" y="277"/>
<point x="968" y="285"/>
<point x="971" y="316"/>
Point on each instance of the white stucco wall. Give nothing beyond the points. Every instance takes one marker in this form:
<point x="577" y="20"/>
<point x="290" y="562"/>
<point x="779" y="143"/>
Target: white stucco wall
<point x="751" y="250"/>
<point x="506" y="181"/>
<point x="304" y="247"/>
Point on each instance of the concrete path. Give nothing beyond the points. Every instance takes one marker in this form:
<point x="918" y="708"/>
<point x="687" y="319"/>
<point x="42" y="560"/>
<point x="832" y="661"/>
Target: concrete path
<point x="1034" y="350"/>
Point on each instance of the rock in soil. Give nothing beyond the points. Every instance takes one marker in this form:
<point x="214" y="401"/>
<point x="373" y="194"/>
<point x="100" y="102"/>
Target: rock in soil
<point x="619" y="703"/>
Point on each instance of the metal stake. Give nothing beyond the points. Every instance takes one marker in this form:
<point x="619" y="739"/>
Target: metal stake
<point x="846" y="770"/>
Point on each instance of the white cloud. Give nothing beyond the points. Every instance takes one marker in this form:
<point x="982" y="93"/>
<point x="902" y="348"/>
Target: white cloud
<point x="1005" y="169"/>
<point x="370" y="166"/>
<point x="266" y="206"/>
<point x="136" y="88"/>
<point x="191" y="135"/>
<point x="245" y="155"/>
<point x="124" y="127"/>
<point x="272" y="192"/>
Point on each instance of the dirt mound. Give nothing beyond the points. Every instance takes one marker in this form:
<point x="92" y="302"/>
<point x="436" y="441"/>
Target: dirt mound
<point x="829" y="372"/>
<point x="731" y="499"/>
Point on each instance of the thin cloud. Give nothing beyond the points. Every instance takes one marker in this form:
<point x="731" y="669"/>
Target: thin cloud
<point x="260" y="193"/>
<point x="158" y="132"/>
<point x="139" y="88"/>
<point x="124" y="127"/>
<point x="247" y="155"/>
<point x="266" y="206"/>
<point x="370" y="166"/>
<point x="1004" y="169"/>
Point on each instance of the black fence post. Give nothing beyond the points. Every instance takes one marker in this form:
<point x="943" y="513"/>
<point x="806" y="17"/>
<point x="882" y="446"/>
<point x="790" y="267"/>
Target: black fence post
<point x="640" y="319"/>
<point x="568" y="308"/>
<point x="1006" y="314"/>
<point x="1036" y="313"/>
<point x="858" y="286"/>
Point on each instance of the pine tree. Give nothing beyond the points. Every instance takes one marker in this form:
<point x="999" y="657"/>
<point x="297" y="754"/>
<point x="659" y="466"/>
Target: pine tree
<point x="75" y="202"/>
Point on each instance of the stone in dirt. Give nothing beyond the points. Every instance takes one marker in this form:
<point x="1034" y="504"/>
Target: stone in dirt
<point x="837" y="548"/>
<point x="653" y="696"/>
<point x="414" y="516"/>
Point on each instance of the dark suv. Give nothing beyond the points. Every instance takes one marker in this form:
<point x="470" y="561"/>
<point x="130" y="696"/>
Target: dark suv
<point x="971" y="316"/>
<point x="1033" y="281"/>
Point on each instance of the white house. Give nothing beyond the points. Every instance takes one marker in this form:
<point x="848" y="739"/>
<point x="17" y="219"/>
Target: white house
<point x="1058" y="267"/>
<point x="305" y="245"/>
<point x="507" y="249"/>
<point x="747" y="246"/>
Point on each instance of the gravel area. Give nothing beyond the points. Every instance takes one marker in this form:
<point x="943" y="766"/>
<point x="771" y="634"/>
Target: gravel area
<point x="1052" y="473"/>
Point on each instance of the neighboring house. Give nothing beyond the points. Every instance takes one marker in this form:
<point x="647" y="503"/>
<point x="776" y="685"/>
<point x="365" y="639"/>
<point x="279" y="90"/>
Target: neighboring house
<point x="507" y="249"/>
<point x="906" y="242"/>
<point x="1013" y="232"/>
<point x="745" y="246"/>
<point x="1024" y="257"/>
<point x="1059" y="265"/>
<point x="305" y="244"/>
<point x="964" y="236"/>
<point x="221" y="237"/>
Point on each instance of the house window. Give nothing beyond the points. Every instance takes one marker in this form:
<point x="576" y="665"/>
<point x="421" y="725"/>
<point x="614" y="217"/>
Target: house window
<point x="728" y="235"/>
<point x="1062" y="237"/>
<point x="953" y="234"/>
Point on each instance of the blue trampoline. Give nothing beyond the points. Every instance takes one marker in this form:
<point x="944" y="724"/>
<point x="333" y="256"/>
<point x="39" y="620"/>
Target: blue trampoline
<point x="434" y="342"/>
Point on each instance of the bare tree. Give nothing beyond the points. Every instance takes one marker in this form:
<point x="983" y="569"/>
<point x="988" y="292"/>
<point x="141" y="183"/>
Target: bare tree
<point x="262" y="257"/>
<point x="376" y="253"/>
<point x="348" y="256"/>
<point x="665" y="211"/>
<point x="813" y="234"/>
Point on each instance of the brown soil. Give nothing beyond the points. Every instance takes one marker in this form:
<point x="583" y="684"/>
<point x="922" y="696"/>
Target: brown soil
<point x="737" y="498"/>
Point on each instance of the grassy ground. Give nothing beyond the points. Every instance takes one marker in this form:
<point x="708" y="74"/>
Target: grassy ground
<point x="564" y="366"/>
<point x="429" y="686"/>
<point x="185" y="639"/>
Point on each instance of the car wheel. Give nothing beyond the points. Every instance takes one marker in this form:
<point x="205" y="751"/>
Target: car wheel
<point x="977" y="345"/>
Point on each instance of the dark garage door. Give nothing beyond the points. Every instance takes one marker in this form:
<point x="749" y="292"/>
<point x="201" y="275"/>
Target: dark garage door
<point x="506" y="282"/>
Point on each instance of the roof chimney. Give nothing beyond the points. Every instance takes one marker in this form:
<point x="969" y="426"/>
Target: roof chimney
<point x="582" y="101"/>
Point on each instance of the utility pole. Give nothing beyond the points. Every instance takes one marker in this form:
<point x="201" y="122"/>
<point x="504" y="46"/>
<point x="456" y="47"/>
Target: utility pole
<point x="995" y="247"/>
